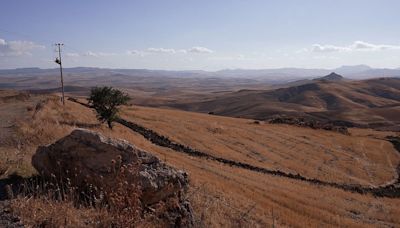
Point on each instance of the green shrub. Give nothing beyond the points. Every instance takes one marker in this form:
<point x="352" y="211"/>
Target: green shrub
<point x="105" y="100"/>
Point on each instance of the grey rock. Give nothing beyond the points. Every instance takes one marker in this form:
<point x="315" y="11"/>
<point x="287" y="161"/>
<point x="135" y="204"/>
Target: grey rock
<point x="89" y="158"/>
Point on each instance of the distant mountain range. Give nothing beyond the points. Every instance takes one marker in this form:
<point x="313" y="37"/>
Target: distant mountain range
<point x="350" y="72"/>
<point x="326" y="95"/>
<point x="273" y="76"/>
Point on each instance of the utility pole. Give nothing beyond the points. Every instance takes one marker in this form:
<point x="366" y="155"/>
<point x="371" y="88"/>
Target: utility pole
<point x="58" y="61"/>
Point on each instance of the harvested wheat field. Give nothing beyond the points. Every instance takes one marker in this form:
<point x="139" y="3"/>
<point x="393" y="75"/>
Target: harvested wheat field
<point x="222" y="195"/>
<point x="318" y="154"/>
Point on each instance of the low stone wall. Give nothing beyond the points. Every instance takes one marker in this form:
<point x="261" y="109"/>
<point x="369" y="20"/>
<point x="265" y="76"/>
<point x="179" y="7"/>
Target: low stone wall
<point x="392" y="190"/>
<point x="304" y="122"/>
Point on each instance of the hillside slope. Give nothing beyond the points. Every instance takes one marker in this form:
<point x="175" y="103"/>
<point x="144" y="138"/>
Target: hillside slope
<point x="368" y="102"/>
<point x="221" y="193"/>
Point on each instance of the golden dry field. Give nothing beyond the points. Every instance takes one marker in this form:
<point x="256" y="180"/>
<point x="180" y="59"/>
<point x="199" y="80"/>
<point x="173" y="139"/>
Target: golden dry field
<point x="222" y="195"/>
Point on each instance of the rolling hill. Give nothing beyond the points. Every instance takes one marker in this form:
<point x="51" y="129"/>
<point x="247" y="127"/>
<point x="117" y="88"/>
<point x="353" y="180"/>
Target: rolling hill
<point x="221" y="193"/>
<point x="373" y="102"/>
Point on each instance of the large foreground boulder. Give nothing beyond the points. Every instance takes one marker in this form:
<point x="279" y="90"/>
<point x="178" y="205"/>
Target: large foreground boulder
<point x="88" y="158"/>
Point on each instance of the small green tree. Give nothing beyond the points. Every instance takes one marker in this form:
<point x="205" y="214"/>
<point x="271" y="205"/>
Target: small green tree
<point x="105" y="100"/>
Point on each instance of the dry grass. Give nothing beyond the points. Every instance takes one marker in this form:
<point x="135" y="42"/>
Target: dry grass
<point x="217" y="210"/>
<point x="42" y="212"/>
<point x="355" y="101"/>
<point x="225" y="193"/>
<point x="40" y="202"/>
<point x="318" y="154"/>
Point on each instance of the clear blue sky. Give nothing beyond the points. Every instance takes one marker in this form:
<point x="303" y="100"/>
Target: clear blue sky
<point x="206" y="34"/>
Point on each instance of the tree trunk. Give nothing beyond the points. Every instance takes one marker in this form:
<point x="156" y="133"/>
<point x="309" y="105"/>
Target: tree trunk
<point x="110" y="124"/>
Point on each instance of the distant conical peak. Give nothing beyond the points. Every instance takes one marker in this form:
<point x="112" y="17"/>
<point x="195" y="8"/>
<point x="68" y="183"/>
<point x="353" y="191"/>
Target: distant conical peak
<point x="332" y="77"/>
<point x="334" y="74"/>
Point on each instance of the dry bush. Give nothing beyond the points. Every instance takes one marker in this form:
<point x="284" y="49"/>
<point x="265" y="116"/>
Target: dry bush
<point x="56" y="203"/>
<point x="45" y="212"/>
<point x="123" y="200"/>
<point x="13" y="160"/>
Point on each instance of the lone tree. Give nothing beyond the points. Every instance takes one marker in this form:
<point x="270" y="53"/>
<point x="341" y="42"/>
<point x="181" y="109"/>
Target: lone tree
<point x="105" y="100"/>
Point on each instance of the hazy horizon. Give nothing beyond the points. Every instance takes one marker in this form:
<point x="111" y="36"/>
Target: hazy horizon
<point x="204" y="35"/>
<point x="224" y="69"/>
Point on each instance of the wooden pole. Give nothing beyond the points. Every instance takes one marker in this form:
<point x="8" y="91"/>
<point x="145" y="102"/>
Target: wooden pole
<point x="61" y="72"/>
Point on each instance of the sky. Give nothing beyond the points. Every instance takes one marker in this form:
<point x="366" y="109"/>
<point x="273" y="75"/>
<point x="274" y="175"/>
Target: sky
<point x="200" y="35"/>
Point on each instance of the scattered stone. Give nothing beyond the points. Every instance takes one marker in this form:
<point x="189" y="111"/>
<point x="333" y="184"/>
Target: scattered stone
<point x="310" y="123"/>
